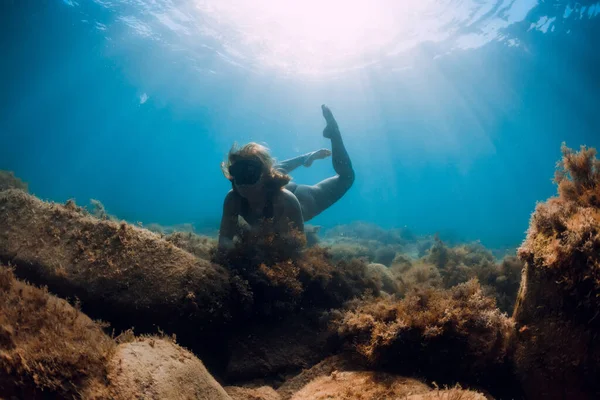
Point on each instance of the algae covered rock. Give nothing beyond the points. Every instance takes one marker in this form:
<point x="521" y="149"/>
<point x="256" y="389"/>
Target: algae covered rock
<point x="198" y="245"/>
<point x="259" y="393"/>
<point x="121" y="273"/>
<point x="273" y="275"/>
<point x="323" y="368"/>
<point x="443" y="335"/>
<point x="347" y="385"/>
<point x="47" y="347"/>
<point x="386" y="281"/>
<point x="557" y="319"/>
<point x="449" y="394"/>
<point x="339" y="378"/>
<point x="154" y="368"/>
<point x="416" y="275"/>
<point x="8" y="180"/>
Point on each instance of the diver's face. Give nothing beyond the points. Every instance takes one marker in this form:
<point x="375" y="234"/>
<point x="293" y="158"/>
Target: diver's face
<point x="247" y="177"/>
<point x="250" y="191"/>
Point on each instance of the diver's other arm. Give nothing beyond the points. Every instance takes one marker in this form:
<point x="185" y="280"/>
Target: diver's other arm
<point x="228" y="221"/>
<point x="287" y="166"/>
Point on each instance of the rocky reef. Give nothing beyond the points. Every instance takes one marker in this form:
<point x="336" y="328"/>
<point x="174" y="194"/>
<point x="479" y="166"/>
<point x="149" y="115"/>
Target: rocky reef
<point x="365" y="314"/>
<point x="556" y="315"/>
<point x="447" y="336"/>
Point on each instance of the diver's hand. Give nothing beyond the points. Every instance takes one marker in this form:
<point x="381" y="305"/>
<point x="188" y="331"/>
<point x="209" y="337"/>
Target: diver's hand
<point x="332" y="126"/>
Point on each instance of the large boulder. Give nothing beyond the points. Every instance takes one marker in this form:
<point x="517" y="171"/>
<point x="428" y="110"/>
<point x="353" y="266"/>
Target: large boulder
<point x="338" y="378"/>
<point x="259" y="393"/>
<point x="386" y="281"/>
<point x="121" y="273"/>
<point x="155" y="369"/>
<point x="557" y="319"/>
<point x="360" y="384"/>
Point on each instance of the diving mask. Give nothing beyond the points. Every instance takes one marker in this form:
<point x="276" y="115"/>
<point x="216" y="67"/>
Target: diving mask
<point x="246" y="172"/>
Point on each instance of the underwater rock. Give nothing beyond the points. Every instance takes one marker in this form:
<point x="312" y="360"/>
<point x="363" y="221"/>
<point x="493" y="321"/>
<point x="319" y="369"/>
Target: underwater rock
<point x="384" y="278"/>
<point x="8" y="180"/>
<point x="449" y="394"/>
<point x="323" y="368"/>
<point x="347" y="249"/>
<point x="461" y="263"/>
<point x="346" y="385"/>
<point x="416" y="275"/>
<point x="464" y="262"/>
<point x="375" y="244"/>
<point x="260" y="393"/>
<point x="385" y="255"/>
<point x="122" y="274"/>
<point x="273" y="275"/>
<point x="507" y="282"/>
<point x="340" y="378"/>
<point x="369" y="231"/>
<point x="155" y="368"/>
<point x="48" y="349"/>
<point x="170" y="229"/>
<point x="312" y="234"/>
<point x="198" y="245"/>
<point x="269" y="349"/>
<point x="557" y="312"/>
<point x="449" y="335"/>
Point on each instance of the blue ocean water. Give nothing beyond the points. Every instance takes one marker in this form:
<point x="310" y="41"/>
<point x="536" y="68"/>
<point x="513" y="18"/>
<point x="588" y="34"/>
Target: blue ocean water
<point x="453" y="111"/>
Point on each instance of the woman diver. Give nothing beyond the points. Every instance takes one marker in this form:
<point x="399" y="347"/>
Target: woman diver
<point x="262" y="190"/>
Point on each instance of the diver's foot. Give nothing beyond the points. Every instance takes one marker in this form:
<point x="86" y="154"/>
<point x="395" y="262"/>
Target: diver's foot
<point x="332" y="128"/>
<point x="317" y="155"/>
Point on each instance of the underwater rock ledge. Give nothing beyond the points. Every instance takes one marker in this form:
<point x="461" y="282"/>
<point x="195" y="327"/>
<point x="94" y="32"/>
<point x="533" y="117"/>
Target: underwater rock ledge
<point x="121" y="273"/>
<point x="49" y="349"/>
<point x="557" y="311"/>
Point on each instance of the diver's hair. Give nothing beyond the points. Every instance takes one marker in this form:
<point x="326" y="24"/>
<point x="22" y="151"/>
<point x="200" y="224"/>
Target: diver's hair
<point x="260" y="153"/>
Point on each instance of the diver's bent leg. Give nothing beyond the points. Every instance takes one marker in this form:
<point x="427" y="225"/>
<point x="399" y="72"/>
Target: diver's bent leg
<point x="341" y="160"/>
<point x="316" y="199"/>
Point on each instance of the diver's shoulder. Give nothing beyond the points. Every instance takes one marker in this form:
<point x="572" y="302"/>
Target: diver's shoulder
<point x="232" y="198"/>
<point x="288" y="197"/>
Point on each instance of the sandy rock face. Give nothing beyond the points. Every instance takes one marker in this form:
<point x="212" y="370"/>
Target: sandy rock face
<point x="384" y="278"/>
<point x="448" y="394"/>
<point x="337" y="378"/>
<point x="348" y="385"/>
<point x="260" y="393"/>
<point x="153" y="368"/>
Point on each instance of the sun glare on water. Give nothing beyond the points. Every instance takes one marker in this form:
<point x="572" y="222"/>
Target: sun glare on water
<point x="313" y="35"/>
